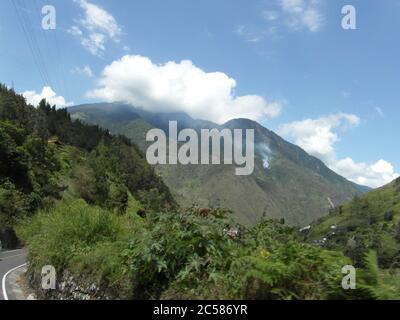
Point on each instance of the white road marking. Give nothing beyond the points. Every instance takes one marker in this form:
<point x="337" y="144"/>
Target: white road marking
<point x="5" y="296"/>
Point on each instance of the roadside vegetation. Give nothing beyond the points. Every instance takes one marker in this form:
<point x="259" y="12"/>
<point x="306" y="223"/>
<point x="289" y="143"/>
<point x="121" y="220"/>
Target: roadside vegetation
<point x="47" y="157"/>
<point x="194" y="254"/>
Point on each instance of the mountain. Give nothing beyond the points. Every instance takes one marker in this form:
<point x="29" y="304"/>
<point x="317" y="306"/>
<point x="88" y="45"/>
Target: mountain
<point x="369" y="222"/>
<point x="287" y="182"/>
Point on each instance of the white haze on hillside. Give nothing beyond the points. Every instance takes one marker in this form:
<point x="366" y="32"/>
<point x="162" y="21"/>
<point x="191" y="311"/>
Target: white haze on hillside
<point x="265" y="153"/>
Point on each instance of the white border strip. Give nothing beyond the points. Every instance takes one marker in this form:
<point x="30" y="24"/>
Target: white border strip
<point x="3" y="283"/>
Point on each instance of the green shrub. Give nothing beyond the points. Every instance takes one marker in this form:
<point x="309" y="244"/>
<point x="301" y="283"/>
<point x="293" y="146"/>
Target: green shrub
<point x="374" y="283"/>
<point x="183" y="248"/>
<point x="83" y="239"/>
<point x="273" y="264"/>
<point x="187" y="256"/>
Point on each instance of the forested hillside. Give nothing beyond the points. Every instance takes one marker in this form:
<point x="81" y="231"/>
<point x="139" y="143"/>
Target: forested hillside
<point x="47" y="157"/>
<point x="370" y="222"/>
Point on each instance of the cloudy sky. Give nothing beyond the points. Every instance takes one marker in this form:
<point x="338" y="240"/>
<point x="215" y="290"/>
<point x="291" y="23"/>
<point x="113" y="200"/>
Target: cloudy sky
<point x="286" y="63"/>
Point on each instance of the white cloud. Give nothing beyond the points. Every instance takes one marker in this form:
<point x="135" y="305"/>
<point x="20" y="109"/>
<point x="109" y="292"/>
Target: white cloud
<point x="173" y="87"/>
<point x="302" y="14"/>
<point x="84" y="71"/>
<point x="294" y="14"/>
<point x="293" y="6"/>
<point x="319" y="136"/>
<point x="96" y="18"/>
<point x="95" y="43"/>
<point x="373" y="175"/>
<point x="95" y="28"/>
<point x="279" y="15"/>
<point x="47" y="93"/>
<point x="75" y="30"/>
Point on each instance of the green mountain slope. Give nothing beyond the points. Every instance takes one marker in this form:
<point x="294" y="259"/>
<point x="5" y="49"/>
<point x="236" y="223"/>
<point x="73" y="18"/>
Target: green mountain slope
<point x="370" y="222"/>
<point x="47" y="157"/>
<point x="286" y="183"/>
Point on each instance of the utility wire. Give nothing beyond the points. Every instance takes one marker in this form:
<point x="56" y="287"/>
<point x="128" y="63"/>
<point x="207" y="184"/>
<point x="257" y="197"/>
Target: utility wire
<point x="36" y="45"/>
<point x="51" y="48"/>
<point x="24" y="31"/>
<point x="30" y="35"/>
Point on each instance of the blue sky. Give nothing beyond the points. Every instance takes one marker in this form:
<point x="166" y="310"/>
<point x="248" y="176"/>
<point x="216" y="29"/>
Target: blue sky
<point x="286" y="63"/>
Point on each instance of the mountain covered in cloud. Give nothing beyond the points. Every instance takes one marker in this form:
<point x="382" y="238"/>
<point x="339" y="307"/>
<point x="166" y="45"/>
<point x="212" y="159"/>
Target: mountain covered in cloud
<point x="286" y="183"/>
<point x="179" y="87"/>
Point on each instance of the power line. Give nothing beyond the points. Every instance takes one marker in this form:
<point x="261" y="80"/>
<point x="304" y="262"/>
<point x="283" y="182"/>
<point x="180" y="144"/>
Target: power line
<point x="22" y="26"/>
<point x="37" y="46"/>
<point x="46" y="46"/>
<point x="51" y="47"/>
<point x="29" y="33"/>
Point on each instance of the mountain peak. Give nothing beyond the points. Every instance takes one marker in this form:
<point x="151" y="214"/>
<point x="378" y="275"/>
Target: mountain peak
<point x="242" y="123"/>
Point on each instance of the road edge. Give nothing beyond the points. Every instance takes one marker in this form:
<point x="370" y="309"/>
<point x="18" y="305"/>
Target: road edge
<point x="3" y="282"/>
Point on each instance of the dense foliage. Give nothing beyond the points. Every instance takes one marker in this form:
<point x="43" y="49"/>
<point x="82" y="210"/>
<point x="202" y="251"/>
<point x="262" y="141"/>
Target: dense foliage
<point x="194" y="254"/>
<point x="45" y="156"/>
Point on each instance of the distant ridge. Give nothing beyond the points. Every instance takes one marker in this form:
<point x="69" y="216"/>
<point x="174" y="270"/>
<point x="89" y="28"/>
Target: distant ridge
<point x="287" y="182"/>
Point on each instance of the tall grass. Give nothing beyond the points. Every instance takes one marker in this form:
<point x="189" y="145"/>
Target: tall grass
<point x="83" y="239"/>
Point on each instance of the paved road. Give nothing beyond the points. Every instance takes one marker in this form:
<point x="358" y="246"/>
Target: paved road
<point x="8" y="261"/>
